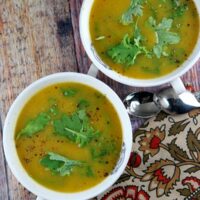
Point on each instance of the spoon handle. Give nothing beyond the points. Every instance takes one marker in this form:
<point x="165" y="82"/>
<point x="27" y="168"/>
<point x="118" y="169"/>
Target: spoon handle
<point x="197" y="95"/>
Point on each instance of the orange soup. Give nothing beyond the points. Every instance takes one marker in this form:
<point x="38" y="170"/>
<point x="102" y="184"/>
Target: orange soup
<point x="68" y="137"/>
<point x="144" y="39"/>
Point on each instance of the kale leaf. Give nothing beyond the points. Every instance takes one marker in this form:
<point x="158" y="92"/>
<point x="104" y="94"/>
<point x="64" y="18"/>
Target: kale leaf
<point x="163" y="35"/>
<point x="135" y="9"/>
<point x="59" y="164"/>
<point x="76" y="127"/>
<point x="35" y="125"/>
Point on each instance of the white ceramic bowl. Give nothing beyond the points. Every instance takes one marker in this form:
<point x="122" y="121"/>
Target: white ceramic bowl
<point x="87" y="43"/>
<point x="9" y="142"/>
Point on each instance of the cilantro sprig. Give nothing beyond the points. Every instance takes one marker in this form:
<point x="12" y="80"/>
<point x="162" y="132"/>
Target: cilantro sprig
<point x="127" y="51"/>
<point x="163" y="35"/>
<point x="102" y="150"/>
<point x="35" y="125"/>
<point x="178" y="8"/>
<point x="69" y="92"/>
<point x="58" y="164"/>
<point x="76" y="127"/>
<point x="82" y="104"/>
<point x="135" y="9"/>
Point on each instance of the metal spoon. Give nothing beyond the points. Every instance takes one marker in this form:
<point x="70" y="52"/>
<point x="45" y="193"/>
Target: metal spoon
<point x="141" y="104"/>
<point x="147" y="104"/>
<point x="173" y="103"/>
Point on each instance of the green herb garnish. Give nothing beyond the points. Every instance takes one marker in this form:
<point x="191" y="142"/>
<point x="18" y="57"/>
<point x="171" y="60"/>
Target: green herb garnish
<point x="59" y="164"/>
<point x="151" y="70"/>
<point x="53" y="110"/>
<point x="102" y="149"/>
<point x="35" y="125"/>
<point x="135" y="9"/>
<point x="99" y="153"/>
<point x="127" y="51"/>
<point x="89" y="171"/>
<point x="76" y="127"/>
<point x="69" y="92"/>
<point x="163" y="35"/>
<point x="178" y="8"/>
<point x="82" y="104"/>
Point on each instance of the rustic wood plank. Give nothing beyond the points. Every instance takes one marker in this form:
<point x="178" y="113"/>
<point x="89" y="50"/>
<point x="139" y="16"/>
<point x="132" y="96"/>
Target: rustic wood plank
<point x="35" y="40"/>
<point x="3" y="173"/>
<point x="82" y="58"/>
<point x="192" y="76"/>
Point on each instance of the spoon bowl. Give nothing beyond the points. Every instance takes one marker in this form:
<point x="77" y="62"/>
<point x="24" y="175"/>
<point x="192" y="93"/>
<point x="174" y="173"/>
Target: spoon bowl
<point x="146" y="104"/>
<point x="173" y="104"/>
<point x="141" y="104"/>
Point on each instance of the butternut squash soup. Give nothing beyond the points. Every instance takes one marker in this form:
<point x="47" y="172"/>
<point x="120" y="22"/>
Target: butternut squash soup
<point x="144" y="39"/>
<point x="68" y="137"/>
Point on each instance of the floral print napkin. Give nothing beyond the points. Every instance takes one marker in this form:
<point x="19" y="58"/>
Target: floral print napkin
<point x="164" y="163"/>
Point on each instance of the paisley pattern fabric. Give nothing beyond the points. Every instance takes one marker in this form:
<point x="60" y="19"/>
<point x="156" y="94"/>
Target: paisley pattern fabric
<point x="164" y="163"/>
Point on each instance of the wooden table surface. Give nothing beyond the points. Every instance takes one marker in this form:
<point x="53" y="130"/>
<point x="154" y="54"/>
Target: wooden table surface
<point x="37" y="38"/>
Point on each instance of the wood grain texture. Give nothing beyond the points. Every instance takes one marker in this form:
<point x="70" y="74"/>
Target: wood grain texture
<point x="3" y="174"/>
<point x="35" y="40"/>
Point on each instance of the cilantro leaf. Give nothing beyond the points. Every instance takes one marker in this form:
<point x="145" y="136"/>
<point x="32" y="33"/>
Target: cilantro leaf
<point x="99" y="153"/>
<point x="76" y="127"/>
<point x="135" y="9"/>
<point x="127" y="51"/>
<point x="69" y="92"/>
<point x="59" y="164"/>
<point x="89" y="172"/>
<point x="163" y="35"/>
<point x="102" y="149"/>
<point x="151" y="70"/>
<point x="54" y="110"/>
<point x="35" y="125"/>
<point x="83" y="104"/>
<point x="178" y="8"/>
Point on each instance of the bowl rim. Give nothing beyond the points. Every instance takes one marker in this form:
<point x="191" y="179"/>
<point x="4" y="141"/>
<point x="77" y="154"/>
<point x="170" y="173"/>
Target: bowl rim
<point x="9" y="143"/>
<point x="87" y="44"/>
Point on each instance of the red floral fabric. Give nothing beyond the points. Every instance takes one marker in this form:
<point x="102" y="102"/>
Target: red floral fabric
<point x="164" y="163"/>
